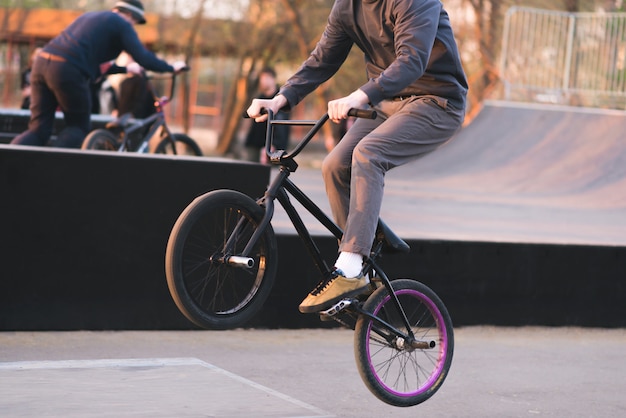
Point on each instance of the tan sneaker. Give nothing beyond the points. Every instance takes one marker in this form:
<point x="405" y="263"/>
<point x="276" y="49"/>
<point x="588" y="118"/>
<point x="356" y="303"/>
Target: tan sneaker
<point x="337" y="288"/>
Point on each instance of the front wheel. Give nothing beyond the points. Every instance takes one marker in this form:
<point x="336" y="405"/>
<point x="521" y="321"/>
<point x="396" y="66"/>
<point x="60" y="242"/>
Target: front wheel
<point x="399" y="371"/>
<point x="100" y="139"/>
<point x="208" y="290"/>
<point x="183" y="144"/>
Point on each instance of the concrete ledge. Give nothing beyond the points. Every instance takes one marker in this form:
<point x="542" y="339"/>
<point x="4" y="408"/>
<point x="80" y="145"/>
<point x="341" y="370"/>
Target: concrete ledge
<point x="15" y="121"/>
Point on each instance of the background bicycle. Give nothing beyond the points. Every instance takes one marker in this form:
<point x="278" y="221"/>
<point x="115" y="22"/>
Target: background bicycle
<point x="150" y="134"/>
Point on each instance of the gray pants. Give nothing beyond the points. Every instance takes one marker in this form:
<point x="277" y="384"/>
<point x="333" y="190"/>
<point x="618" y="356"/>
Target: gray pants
<point x="354" y="171"/>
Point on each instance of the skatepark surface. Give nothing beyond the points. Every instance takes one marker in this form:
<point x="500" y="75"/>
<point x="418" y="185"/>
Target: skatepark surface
<point x="496" y="372"/>
<point x="518" y="173"/>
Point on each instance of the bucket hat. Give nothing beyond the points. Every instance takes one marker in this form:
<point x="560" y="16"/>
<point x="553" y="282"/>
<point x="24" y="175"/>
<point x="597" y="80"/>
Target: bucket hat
<point x="134" y="7"/>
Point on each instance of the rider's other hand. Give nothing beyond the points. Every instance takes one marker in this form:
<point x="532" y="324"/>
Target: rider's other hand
<point x="179" y="65"/>
<point x="257" y="105"/>
<point x="338" y="109"/>
<point x="134" y="68"/>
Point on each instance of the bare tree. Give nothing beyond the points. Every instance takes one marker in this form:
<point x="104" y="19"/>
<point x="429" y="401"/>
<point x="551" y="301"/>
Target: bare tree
<point x="189" y="54"/>
<point x="267" y="32"/>
<point x="486" y="35"/>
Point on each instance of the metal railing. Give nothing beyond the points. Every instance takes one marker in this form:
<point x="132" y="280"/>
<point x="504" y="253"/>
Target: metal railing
<point x="565" y="58"/>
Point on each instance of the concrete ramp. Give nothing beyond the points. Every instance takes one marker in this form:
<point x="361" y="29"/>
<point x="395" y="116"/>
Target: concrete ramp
<point x="536" y="151"/>
<point x="518" y="172"/>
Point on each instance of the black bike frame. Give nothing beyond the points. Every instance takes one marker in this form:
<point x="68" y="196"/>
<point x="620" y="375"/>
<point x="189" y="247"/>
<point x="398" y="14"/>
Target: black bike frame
<point x="156" y="121"/>
<point x="277" y="190"/>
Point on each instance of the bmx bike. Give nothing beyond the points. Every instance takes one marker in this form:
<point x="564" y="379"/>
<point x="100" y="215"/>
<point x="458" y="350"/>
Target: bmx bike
<point x="128" y="134"/>
<point x="221" y="262"/>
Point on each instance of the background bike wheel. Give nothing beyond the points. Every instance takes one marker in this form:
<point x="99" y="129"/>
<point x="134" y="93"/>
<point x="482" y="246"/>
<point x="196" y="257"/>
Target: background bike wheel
<point x="100" y="139"/>
<point x="184" y="146"/>
<point x="404" y="376"/>
<point x="209" y="293"/>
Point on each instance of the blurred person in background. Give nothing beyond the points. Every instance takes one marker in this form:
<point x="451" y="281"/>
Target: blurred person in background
<point x="255" y="139"/>
<point x="25" y="80"/>
<point x="64" y="71"/>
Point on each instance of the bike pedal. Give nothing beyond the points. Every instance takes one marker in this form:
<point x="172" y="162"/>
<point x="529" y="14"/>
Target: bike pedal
<point x="335" y="309"/>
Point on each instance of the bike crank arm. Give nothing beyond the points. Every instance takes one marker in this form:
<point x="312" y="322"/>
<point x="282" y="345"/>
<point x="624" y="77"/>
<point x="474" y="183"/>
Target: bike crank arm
<point x="354" y="305"/>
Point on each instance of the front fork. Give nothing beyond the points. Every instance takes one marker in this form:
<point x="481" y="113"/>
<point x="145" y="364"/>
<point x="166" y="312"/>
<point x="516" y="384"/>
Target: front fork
<point x="243" y="259"/>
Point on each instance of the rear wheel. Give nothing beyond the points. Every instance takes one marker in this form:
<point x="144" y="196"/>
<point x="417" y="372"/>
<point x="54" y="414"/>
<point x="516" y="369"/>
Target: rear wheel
<point x="183" y="143"/>
<point x="100" y="139"/>
<point x="208" y="290"/>
<point x="399" y="371"/>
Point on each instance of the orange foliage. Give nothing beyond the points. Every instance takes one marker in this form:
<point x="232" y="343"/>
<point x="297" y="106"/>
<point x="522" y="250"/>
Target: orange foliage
<point x="45" y="24"/>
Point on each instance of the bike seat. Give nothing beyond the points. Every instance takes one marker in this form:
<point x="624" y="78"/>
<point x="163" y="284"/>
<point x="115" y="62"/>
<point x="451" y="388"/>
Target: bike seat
<point x="120" y="122"/>
<point x="393" y="243"/>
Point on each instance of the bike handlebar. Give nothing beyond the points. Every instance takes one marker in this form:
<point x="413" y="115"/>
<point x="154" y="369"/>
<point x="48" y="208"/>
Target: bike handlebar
<point x="357" y="113"/>
<point x="166" y="99"/>
<point x="363" y="113"/>
<point x="280" y="156"/>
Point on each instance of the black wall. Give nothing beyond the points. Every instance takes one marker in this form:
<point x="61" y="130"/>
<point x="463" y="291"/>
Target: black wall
<point x="482" y="283"/>
<point x="83" y="236"/>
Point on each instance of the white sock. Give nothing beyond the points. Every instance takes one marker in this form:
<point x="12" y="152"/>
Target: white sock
<point x="350" y="263"/>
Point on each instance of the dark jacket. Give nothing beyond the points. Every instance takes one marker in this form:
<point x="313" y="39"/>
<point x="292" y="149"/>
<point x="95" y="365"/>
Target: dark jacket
<point x="136" y="97"/>
<point x="97" y="37"/>
<point x="409" y="49"/>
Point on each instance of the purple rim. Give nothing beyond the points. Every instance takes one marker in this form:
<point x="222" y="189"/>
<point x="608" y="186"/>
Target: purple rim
<point x="444" y="344"/>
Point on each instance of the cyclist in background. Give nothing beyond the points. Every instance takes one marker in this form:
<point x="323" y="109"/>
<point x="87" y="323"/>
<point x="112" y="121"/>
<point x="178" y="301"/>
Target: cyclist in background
<point x="64" y="70"/>
<point x="417" y="85"/>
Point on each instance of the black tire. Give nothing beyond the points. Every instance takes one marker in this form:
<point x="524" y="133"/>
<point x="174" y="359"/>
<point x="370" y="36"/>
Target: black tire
<point x="404" y="375"/>
<point x="210" y="293"/>
<point x="100" y="139"/>
<point x="184" y="146"/>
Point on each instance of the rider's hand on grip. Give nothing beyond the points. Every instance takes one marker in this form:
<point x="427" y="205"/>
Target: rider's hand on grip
<point x="134" y="68"/>
<point x="247" y="116"/>
<point x="180" y="66"/>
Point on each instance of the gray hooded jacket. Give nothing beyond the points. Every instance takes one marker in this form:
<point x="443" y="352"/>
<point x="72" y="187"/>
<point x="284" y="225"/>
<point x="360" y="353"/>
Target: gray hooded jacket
<point x="409" y="49"/>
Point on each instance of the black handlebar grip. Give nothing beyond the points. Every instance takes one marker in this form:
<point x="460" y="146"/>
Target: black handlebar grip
<point x="362" y="113"/>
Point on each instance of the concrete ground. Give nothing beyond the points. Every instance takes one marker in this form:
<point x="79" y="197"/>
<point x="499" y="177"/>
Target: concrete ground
<point x="496" y="372"/>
